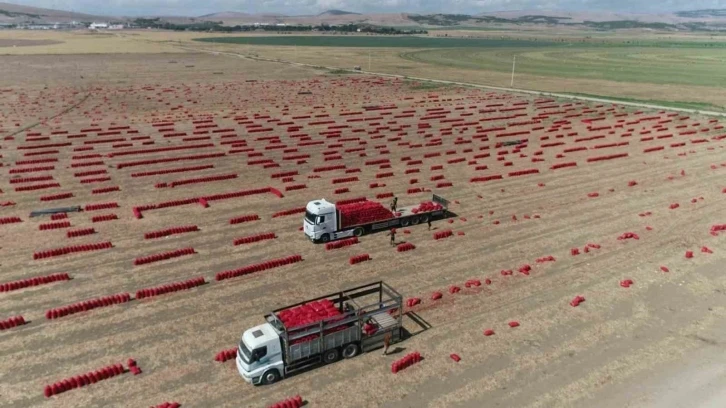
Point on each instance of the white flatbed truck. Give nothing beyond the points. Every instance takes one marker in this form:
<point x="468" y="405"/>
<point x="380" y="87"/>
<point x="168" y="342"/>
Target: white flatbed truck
<point x="272" y="351"/>
<point x="323" y="221"/>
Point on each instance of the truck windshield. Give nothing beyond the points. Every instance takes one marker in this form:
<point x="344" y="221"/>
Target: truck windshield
<point x="310" y="217"/>
<point x="245" y="352"/>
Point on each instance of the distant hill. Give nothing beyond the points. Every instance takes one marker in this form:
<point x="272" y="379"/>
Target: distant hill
<point x="225" y="14"/>
<point x="336" y="13"/>
<point x="17" y="14"/>
<point x="702" y="13"/>
<point x="707" y="19"/>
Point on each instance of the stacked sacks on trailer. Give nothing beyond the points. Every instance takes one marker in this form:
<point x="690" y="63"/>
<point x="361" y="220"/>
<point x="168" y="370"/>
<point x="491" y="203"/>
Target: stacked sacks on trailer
<point x="427" y="206"/>
<point x="362" y="213"/>
<point x="307" y="313"/>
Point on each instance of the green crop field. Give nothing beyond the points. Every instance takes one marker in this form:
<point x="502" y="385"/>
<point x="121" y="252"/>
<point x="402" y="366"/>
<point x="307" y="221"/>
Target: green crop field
<point x="659" y="65"/>
<point x="365" y="41"/>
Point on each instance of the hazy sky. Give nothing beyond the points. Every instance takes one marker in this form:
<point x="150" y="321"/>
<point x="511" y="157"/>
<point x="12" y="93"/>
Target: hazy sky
<point x="298" y="7"/>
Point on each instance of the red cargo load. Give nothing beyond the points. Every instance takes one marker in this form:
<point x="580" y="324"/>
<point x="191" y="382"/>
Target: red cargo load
<point x="362" y="213"/>
<point x="308" y="313"/>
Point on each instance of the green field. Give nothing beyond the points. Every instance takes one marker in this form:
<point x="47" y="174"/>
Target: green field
<point x="693" y="62"/>
<point x="687" y="66"/>
<point x="673" y="104"/>
<point x="365" y="41"/>
<point x="376" y="41"/>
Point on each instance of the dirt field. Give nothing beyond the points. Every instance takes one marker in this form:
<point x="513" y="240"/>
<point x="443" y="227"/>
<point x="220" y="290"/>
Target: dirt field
<point x="559" y="356"/>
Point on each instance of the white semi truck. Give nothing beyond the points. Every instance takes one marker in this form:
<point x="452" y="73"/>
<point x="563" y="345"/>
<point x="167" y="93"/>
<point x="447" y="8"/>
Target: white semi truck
<point x="324" y="221"/>
<point x="290" y="340"/>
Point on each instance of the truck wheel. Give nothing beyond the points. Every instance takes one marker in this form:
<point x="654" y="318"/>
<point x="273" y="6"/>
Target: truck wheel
<point x="405" y="222"/>
<point x="325" y="238"/>
<point x="330" y="356"/>
<point x="350" y="350"/>
<point x="270" y="377"/>
<point x="424" y="218"/>
<point x="358" y="232"/>
<point x="415" y="220"/>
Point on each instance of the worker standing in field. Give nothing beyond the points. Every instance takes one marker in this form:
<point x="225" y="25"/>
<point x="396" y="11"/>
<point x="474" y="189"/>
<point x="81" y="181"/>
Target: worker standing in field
<point x="386" y="343"/>
<point x="428" y="221"/>
<point x="394" y="203"/>
<point x="392" y="233"/>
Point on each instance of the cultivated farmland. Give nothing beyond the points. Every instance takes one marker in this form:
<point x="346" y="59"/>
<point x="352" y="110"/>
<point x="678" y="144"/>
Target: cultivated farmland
<point x="585" y="250"/>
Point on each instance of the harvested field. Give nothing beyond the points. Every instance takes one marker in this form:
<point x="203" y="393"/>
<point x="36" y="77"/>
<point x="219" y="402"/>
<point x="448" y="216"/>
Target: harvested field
<point x="183" y="174"/>
<point x="26" y="43"/>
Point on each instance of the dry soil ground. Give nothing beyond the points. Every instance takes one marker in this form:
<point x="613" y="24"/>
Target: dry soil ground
<point x="560" y="355"/>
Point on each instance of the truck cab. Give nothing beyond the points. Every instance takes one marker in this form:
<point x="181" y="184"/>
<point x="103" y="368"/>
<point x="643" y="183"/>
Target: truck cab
<point x="259" y="355"/>
<point x="320" y="222"/>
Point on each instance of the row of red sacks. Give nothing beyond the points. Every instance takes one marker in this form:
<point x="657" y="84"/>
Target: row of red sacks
<point x="36" y="281"/>
<point x="82" y="380"/>
<point x="100" y="206"/>
<point x="284" y="174"/>
<point x="214" y="197"/>
<point x="405" y="362"/>
<point x="10" y="220"/>
<point x="407" y="246"/>
<point x="54" y="225"/>
<point x="225" y="355"/>
<point x="344" y="180"/>
<point x="170" y="160"/>
<point x="159" y="150"/>
<point x="341" y="190"/>
<point x="523" y="172"/>
<point x="295" y="187"/>
<point x="254" y="238"/>
<point x="262" y="266"/>
<point x="72" y="249"/>
<point x="54" y="197"/>
<point x="485" y="178"/>
<point x="35" y="161"/>
<point x="443" y="234"/>
<point x="171" y="171"/>
<point x="90" y="173"/>
<point x="329" y="168"/>
<point x="37" y="187"/>
<point x="170" y="231"/>
<point x="80" y="232"/>
<point x="11" y="322"/>
<point x="244" y="218"/>
<point x="341" y="243"/>
<point x="30" y="179"/>
<point x="95" y="180"/>
<point x="356" y="259"/>
<point x="102" y="218"/>
<point x="169" y="288"/>
<point x="163" y="256"/>
<point x="105" y="190"/>
<point x="84" y="306"/>
<point x="291" y="211"/>
<point x="59" y="216"/>
<point x="88" y="164"/>
<point x="292" y="402"/>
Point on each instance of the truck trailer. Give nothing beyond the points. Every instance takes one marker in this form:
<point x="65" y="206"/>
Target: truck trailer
<point x="325" y="221"/>
<point x="320" y="331"/>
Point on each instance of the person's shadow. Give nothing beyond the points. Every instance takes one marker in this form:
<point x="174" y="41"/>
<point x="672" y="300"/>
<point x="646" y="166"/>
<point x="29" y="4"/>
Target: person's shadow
<point x="396" y="350"/>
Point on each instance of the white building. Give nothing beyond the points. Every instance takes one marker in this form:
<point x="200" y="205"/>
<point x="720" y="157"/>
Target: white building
<point x="97" y="26"/>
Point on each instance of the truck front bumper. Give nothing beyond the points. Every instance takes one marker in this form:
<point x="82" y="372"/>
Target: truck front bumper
<point x="244" y="374"/>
